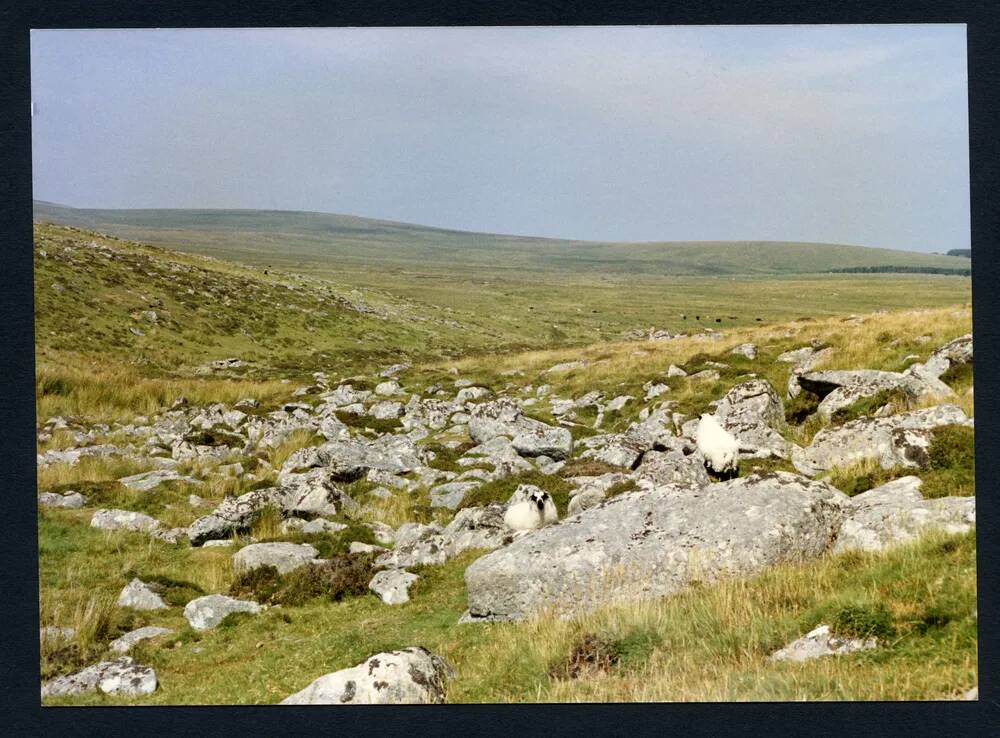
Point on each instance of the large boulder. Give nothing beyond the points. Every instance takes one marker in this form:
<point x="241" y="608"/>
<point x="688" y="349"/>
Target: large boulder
<point x="476" y="528"/>
<point x="753" y="412"/>
<point x="313" y="492"/>
<point x="409" y="676"/>
<point x="234" y="514"/>
<point x="283" y="556"/>
<point x="954" y="352"/>
<point x="500" y="417"/>
<point x="650" y="544"/>
<point x="895" y="440"/>
<point x="120" y="676"/>
<point x="206" y="612"/>
<point x="661" y="468"/>
<point x="544" y="440"/>
<point x="348" y="460"/>
<point x="897" y="513"/>
<point x="842" y="388"/>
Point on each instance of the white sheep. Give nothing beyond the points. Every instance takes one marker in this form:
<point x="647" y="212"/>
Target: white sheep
<point x="531" y="513"/>
<point x="720" y="449"/>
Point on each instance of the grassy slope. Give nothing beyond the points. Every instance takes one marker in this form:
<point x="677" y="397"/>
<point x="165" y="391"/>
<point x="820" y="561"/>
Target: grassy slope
<point x="708" y="644"/>
<point x="307" y="239"/>
<point x="289" y="325"/>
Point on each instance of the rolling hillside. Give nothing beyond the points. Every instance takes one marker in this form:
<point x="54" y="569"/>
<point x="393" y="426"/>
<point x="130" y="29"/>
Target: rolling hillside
<point x="308" y="241"/>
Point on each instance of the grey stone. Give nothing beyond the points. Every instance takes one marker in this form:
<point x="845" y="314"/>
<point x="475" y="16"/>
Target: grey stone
<point x="386" y="410"/>
<point x="393" y="585"/>
<point x="451" y="494"/>
<point x="206" y="612"/>
<point x="651" y="544"/>
<point x="897" y="513"/>
<point x="284" y="557"/>
<point x="409" y="676"/>
<point x="123" y="520"/>
<point x="618" y="403"/>
<point x="821" y="642"/>
<point x="747" y="350"/>
<point x="660" y="468"/>
<point x="320" y="525"/>
<point x="543" y="440"/>
<point x="675" y="371"/>
<point x="842" y="388"/>
<point x="357" y="547"/>
<point x="754" y="414"/>
<point x="125" y="642"/>
<point x="897" y="440"/>
<point x="70" y="500"/>
<point x="140" y="596"/>
<point x="120" y="676"/>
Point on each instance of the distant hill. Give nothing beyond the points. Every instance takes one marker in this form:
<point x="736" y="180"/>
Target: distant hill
<point x="304" y="240"/>
<point x="967" y="253"/>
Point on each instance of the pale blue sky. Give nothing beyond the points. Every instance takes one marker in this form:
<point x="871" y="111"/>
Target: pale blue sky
<point x="847" y="134"/>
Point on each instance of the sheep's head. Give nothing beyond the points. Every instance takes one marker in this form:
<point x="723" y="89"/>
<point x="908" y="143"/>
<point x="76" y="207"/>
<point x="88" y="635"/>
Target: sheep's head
<point x="538" y="498"/>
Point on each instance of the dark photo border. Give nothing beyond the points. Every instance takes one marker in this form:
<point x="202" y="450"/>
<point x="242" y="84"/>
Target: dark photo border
<point x="19" y="663"/>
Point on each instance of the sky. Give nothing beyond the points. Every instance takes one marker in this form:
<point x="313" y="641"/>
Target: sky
<point x="839" y="134"/>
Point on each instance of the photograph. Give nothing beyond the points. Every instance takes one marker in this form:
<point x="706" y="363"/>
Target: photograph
<point x="503" y="364"/>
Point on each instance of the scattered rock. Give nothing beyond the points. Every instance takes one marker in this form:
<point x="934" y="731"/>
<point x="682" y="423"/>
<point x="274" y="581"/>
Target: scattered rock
<point x="821" y="642"/>
<point x="125" y="643"/>
<point x="140" y="596"/>
<point x="206" y="612"/>
<point x="69" y="500"/>
<point x="284" y="557"/>
<point x="747" y="350"/>
<point x="393" y="585"/>
<point x="123" y="520"/>
<point x="409" y="676"/>
<point x="897" y="513"/>
<point x="897" y="440"/>
<point x="121" y="676"/>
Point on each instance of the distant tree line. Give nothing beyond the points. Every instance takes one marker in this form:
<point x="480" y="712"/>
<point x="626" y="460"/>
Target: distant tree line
<point x="902" y="270"/>
<point x="967" y="253"/>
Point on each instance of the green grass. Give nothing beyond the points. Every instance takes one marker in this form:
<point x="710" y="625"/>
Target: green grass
<point x="501" y="490"/>
<point x="710" y="643"/>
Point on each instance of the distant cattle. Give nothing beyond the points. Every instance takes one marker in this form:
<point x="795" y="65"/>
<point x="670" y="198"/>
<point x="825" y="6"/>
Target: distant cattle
<point x="718" y="320"/>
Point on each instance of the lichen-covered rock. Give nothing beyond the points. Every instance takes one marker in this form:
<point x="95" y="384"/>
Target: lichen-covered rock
<point x="500" y="417"/>
<point x="897" y="513"/>
<point x="70" y="500"/>
<point x="409" y="676"/>
<point x="206" y="612"/>
<point x="125" y="642"/>
<point x="661" y="468"/>
<point x="284" y="557"/>
<point x="746" y="350"/>
<point x="451" y="494"/>
<point x="896" y="440"/>
<point x="124" y="520"/>
<point x="147" y="481"/>
<point x="842" y="388"/>
<point x="140" y="596"/>
<point x="821" y="642"/>
<point x="234" y="514"/>
<point x="753" y="413"/>
<point x="120" y="676"/>
<point x="544" y="440"/>
<point x="393" y="585"/>
<point x="650" y="544"/>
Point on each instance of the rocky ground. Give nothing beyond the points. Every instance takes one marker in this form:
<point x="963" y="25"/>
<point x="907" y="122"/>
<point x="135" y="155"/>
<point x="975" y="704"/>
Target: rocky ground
<point x="362" y="487"/>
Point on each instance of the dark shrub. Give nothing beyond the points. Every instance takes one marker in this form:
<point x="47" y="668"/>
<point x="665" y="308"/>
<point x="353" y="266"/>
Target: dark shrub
<point x="861" y="621"/>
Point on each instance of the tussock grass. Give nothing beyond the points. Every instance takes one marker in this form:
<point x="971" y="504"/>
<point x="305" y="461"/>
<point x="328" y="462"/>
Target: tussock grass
<point x="108" y="392"/>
